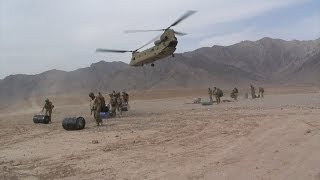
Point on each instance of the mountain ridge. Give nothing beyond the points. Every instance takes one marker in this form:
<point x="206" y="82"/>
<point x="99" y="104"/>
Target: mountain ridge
<point x="267" y="60"/>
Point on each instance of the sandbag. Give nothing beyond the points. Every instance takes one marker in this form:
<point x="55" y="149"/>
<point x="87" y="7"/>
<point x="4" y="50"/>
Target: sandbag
<point x="73" y="123"/>
<point x="43" y="119"/>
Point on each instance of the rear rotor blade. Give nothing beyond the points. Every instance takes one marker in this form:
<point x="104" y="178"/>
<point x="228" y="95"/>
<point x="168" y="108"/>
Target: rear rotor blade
<point x="180" y="33"/>
<point x="112" y="50"/>
<point x="183" y="17"/>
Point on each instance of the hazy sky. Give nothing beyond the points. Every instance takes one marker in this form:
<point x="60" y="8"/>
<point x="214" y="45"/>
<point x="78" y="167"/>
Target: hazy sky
<point x="38" y="35"/>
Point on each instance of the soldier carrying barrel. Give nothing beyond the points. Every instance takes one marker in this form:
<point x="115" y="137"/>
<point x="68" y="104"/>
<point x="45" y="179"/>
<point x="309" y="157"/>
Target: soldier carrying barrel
<point x="48" y="106"/>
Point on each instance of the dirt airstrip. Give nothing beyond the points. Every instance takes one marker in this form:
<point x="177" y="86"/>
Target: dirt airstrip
<point x="163" y="136"/>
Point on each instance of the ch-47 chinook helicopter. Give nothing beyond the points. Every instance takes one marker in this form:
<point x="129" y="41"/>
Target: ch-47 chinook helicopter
<point x="162" y="48"/>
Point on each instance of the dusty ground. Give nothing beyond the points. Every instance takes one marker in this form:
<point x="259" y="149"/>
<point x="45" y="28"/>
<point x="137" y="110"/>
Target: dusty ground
<point x="277" y="137"/>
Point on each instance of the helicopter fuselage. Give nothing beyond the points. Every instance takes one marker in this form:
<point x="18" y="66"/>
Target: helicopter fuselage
<point x="164" y="47"/>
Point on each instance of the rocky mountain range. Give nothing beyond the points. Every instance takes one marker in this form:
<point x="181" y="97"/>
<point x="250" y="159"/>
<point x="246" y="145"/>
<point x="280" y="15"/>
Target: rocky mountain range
<point x="267" y="60"/>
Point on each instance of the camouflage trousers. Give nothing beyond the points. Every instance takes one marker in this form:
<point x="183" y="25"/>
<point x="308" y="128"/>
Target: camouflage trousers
<point x="217" y="99"/>
<point x="97" y="117"/>
<point x="48" y="113"/>
<point x="114" y="110"/>
<point x="119" y="108"/>
<point x="253" y="95"/>
<point x="210" y="98"/>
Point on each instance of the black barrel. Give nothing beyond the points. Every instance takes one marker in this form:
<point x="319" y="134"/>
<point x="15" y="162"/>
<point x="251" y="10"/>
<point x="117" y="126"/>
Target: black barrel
<point x="41" y="119"/>
<point x="74" y="123"/>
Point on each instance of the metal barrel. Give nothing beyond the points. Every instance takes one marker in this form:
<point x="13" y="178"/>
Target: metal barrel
<point x="73" y="123"/>
<point x="43" y="119"/>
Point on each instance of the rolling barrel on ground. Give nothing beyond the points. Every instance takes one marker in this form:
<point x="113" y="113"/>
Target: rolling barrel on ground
<point x="73" y="123"/>
<point x="43" y="119"/>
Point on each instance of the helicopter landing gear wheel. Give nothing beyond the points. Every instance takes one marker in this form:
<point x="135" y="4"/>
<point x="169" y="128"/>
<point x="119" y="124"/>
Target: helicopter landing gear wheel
<point x="152" y="65"/>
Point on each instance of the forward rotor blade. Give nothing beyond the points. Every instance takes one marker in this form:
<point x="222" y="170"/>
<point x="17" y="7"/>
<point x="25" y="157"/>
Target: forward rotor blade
<point x="183" y="17"/>
<point x="135" y="31"/>
<point x="180" y="33"/>
<point x="151" y="41"/>
<point x="111" y="50"/>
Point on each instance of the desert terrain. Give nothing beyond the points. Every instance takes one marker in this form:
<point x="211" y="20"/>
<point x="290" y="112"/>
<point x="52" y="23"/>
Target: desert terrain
<point x="164" y="136"/>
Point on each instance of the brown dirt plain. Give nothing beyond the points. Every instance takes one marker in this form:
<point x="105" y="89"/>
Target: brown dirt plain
<point x="165" y="137"/>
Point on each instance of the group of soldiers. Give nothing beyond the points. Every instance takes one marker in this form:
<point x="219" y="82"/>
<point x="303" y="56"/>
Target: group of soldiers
<point x="98" y="104"/>
<point x="118" y="100"/>
<point x="218" y="93"/>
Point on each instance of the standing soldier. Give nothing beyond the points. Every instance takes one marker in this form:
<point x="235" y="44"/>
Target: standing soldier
<point x="218" y="94"/>
<point x="48" y="106"/>
<point x="95" y="107"/>
<point x="125" y="97"/>
<point x="261" y="91"/>
<point x="113" y="104"/>
<point x="210" y="94"/>
<point x="103" y="102"/>
<point x="234" y="94"/>
<point x="119" y="103"/>
<point x="253" y="92"/>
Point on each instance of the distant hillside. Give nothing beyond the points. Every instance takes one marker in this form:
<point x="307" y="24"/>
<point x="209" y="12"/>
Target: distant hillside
<point x="264" y="61"/>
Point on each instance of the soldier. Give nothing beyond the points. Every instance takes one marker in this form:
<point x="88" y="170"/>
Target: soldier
<point x="119" y="103"/>
<point x="125" y="97"/>
<point x="113" y="104"/>
<point x="95" y="107"/>
<point x="261" y="91"/>
<point x="253" y="92"/>
<point x="103" y="102"/>
<point x="218" y="94"/>
<point x="234" y="94"/>
<point x="48" y="106"/>
<point x="210" y="94"/>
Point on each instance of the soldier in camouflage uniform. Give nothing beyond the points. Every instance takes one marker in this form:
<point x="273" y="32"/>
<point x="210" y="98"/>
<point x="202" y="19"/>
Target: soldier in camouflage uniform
<point x="234" y="94"/>
<point x="48" y="106"/>
<point x="119" y="103"/>
<point x="253" y="92"/>
<point x="95" y="107"/>
<point x="103" y="102"/>
<point x="113" y="104"/>
<point x="125" y="97"/>
<point x="210" y="94"/>
<point x="261" y="91"/>
<point x="218" y="94"/>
